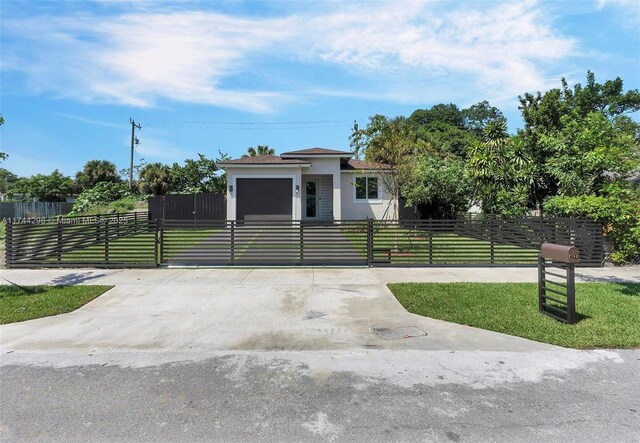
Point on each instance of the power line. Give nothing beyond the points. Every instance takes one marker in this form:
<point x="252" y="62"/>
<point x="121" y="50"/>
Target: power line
<point x="249" y="123"/>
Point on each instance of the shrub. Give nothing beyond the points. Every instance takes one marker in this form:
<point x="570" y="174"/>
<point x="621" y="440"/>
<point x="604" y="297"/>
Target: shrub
<point x="619" y="210"/>
<point x="100" y="194"/>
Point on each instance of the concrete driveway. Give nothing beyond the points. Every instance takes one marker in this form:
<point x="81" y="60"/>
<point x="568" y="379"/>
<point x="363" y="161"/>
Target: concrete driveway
<point x="292" y="355"/>
<point x="199" y="311"/>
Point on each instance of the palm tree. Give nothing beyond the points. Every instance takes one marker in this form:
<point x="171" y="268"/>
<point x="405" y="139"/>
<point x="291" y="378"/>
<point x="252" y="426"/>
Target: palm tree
<point x="156" y="179"/>
<point x="96" y="171"/>
<point x="259" y="150"/>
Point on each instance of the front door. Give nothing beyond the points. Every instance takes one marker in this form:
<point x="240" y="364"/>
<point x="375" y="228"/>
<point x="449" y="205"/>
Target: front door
<point x="311" y="200"/>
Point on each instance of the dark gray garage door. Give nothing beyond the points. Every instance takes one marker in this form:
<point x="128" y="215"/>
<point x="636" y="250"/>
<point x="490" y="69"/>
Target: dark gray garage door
<point x="268" y="198"/>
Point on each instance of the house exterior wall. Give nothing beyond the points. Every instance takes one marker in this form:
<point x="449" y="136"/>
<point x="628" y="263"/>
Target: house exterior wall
<point x="381" y="209"/>
<point x="337" y="190"/>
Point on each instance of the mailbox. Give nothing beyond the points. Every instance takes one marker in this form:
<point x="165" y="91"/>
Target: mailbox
<point x="560" y="253"/>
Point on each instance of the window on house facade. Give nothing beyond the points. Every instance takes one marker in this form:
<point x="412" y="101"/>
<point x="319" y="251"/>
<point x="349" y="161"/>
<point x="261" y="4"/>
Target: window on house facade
<point x="366" y="188"/>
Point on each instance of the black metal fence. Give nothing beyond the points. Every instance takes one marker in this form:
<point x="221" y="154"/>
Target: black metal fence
<point x="484" y="241"/>
<point x="194" y="207"/>
<point x="263" y="243"/>
<point x="113" y="241"/>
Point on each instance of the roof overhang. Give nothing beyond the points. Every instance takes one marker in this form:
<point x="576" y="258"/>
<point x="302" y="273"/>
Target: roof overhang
<point x="262" y="165"/>
<point x="347" y="155"/>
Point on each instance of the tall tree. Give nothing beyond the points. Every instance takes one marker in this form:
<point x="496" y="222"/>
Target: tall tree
<point x="156" y="179"/>
<point x="499" y="173"/>
<point x="53" y="187"/>
<point x="97" y="171"/>
<point x="548" y="115"/>
<point x="479" y="115"/>
<point x="198" y="175"/>
<point x="393" y="142"/>
<point x="445" y="113"/>
<point x="259" y="150"/>
<point x="438" y="187"/>
<point x="7" y="180"/>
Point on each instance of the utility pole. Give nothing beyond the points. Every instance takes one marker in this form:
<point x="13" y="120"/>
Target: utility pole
<point x="134" y="141"/>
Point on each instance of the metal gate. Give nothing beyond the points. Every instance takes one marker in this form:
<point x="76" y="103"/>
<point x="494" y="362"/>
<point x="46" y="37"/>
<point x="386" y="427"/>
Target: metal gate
<point x="191" y="207"/>
<point x="121" y="241"/>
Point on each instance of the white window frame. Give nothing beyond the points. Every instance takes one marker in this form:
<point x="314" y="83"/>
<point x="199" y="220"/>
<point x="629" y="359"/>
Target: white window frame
<point x="366" y="200"/>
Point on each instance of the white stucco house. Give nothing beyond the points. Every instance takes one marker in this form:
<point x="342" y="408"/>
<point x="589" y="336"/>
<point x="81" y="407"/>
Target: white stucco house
<point x="314" y="184"/>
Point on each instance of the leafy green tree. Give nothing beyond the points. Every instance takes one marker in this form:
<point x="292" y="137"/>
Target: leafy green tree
<point x="53" y="187"/>
<point x="548" y="116"/>
<point x="586" y="153"/>
<point x="7" y="180"/>
<point x="617" y="206"/>
<point x="438" y="187"/>
<point x="499" y="173"/>
<point x="156" y="179"/>
<point x="445" y="113"/>
<point x="393" y="143"/>
<point x="259" y="150"/>
<point x="199" y="175"/>
<point x="97" y="171"/>
<point x="362" y="138"/>
<point x="478" y="116"/>
<point x="447" y="139"/>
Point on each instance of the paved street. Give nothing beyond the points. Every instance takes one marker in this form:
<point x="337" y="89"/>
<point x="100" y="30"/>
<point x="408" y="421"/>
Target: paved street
<point x="328" y="396"/>
<point x="297" y="355"/>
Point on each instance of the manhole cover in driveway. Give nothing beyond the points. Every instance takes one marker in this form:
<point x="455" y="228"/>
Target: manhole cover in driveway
<point x="398" y="333"/>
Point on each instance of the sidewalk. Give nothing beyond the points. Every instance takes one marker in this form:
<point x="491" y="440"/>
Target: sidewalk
<point x="298" y="276"/>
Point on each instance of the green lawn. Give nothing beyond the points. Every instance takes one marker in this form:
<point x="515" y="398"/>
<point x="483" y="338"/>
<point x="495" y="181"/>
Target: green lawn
<point x="414" y="246"/>
<point x="29" y="302"/>
<point x="609" y="313"/>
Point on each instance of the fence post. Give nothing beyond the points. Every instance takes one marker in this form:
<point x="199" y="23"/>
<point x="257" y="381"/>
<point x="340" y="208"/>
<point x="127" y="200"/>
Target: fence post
<point x="369" y="241"/>
<point x="59" y="242"/>
<point x="430" y="230"/>
<point x="492" y="234"/>
<point x="571" y="293"/>
<point x="301" y="242"/>
<point x="8" y="243"/>
<point x="233" y="241"/>
<point x="161" y="222"/>
<point x="158" y="242"/>
<point x="98" y="228"/>
<point x="541" y="278"/>
<point x="106" y="241"/>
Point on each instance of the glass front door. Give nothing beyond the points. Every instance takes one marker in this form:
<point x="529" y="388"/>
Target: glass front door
<point x="311" y="199"/>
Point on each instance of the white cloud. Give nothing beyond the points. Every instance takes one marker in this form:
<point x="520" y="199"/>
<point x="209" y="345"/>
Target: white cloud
<point x="409" y="51"/>
<point x="627" y="10"/>
<point x="91" y="121"/>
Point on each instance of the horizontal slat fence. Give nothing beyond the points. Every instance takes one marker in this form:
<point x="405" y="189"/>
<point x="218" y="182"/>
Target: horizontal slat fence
<point x="262" y="243"/>
<point x="113" y="241"/>
<point x="205" y="206"/>
<point x="133" y="240"/>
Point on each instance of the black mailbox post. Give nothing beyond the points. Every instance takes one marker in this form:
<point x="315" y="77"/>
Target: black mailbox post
<point x="557" y="298"/>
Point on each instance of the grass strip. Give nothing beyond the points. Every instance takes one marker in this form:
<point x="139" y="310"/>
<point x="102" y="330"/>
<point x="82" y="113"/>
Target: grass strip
<point x="20" y="303"/>
<point x="608" y="313"/>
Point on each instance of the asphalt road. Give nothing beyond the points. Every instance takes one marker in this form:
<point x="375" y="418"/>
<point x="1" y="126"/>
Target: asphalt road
<point x="271" y="397"/>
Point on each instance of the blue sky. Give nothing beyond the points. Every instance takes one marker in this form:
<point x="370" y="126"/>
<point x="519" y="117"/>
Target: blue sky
<point x="204" y="76"/>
